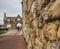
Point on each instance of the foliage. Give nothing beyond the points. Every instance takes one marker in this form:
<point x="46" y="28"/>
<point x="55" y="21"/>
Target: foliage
<point x="2" y="31"/>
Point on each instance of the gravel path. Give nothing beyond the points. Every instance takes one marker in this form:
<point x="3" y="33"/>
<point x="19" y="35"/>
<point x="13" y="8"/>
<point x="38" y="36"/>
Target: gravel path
<point x="12" y="32"/>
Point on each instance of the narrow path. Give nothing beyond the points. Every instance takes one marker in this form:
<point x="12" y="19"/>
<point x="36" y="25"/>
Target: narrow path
<point x="12" y="32"/>
<point x="12" y="42"/>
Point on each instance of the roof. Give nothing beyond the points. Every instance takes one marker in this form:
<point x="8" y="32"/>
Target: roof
<point x="1" y="24"/>
<point x="13" y="16"/>
<point x="10" y="17"/>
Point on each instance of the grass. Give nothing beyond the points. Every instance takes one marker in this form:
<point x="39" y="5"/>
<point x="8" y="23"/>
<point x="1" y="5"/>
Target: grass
<point x="2" y="31"/>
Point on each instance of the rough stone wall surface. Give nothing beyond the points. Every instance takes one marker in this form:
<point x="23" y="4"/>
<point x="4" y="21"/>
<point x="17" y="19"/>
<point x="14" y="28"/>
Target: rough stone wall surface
<point x="41" y="24"/>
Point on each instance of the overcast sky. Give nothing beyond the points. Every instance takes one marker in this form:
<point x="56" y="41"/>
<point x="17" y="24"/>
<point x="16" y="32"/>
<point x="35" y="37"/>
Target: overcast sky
<point x="10" y="7"/>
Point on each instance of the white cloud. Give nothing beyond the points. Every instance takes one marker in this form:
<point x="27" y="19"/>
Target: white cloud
<point x="11" y="6"/>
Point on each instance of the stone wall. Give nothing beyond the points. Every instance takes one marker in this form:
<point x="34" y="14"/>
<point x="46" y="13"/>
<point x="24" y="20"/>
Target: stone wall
<point x="41" y="24"/>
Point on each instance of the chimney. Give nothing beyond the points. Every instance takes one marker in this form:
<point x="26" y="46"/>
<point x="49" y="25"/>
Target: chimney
<point x="4" y="14"/>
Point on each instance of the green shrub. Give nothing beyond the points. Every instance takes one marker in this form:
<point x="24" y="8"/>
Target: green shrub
<point x="2" y="31"/>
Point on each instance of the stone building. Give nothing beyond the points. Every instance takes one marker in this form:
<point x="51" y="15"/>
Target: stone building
<point x="10" y="22"/>
<point x="41" y="23"/>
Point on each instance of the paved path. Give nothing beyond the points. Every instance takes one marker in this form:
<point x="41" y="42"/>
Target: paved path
<point x="12" y="32"/>
<point x="12" y="42"/>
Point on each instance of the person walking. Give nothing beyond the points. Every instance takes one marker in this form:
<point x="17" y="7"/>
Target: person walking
<point x="19" y="26"/>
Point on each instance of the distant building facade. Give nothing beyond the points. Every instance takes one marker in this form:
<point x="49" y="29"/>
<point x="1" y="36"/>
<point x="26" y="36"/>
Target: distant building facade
<point x="10" y="22"/>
